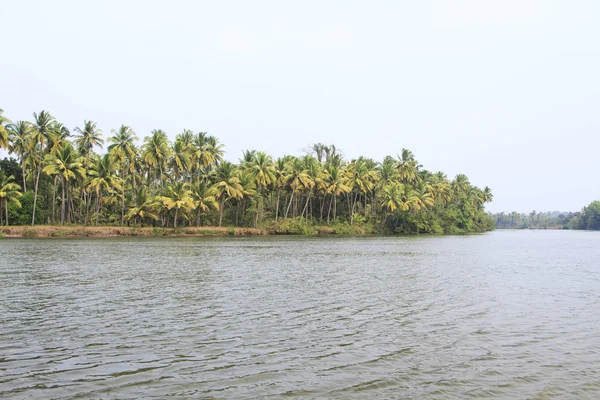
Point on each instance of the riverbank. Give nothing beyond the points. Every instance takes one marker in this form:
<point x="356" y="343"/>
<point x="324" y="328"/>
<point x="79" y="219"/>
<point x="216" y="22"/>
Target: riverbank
<point x="44" y="231"/>
<point x="284" y="227"/>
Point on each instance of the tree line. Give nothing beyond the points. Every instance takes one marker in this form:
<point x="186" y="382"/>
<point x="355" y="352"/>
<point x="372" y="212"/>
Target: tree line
<point x="58" y="177"/>
<point x="586" y="219"/>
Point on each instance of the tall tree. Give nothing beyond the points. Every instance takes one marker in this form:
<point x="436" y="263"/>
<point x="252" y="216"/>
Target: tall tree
<point x="67" y="164"/>
<point x="43" y="124"/>
<point x="9" y="193"/>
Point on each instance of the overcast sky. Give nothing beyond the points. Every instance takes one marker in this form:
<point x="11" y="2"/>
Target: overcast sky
<point x="506" y="92"/>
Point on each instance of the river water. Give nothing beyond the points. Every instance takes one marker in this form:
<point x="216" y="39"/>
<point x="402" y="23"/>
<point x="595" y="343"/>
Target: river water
<point x="508" y="314"/>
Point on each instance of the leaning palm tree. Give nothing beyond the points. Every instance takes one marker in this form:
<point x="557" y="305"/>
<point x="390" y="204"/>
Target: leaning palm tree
<point x="177" y="197"/>
<point x="67" y="164"/>
<point x="9" y="193"/>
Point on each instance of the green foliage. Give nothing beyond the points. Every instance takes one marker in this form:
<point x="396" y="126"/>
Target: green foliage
<point x="588" y="218"/>
<point x="187" y="183"/>
<point x="158" y="231"/>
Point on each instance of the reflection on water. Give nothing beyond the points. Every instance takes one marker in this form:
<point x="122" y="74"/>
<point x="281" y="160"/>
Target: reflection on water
<point x="510" y="314"/>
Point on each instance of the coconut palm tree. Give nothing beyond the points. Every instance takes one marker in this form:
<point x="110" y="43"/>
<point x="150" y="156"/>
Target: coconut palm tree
<point x="9" y="193"/>
<point x="204" y="198"/>
<point x="88" y="137"/>
<point x="21" y="144"/>
<point x="104" y="179"/>
<point x="4" y="143"/>
<point x="39" y="136"/>
<point x="227" y="186"/>
<point x="66" y="164"/>
<point x="143" y="206"/>
<point x="336" y="186"/>
<point x="155" y="153"/>
<point x="123" y="149"/>
<point x="460" y="185"/>
<point x="57" y="135"/>
<point x="260" y="168"/>
<point x="297" y="180"/>
<point x="178" y="196"/>
<point x="280" y="175"/>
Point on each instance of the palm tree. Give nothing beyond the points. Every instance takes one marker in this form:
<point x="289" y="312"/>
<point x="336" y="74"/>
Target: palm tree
<point x="123" y="149"/>
<point x="21" y="144"/>
<point x="104" y="179"/>
<point x="143" y="206"/>
<point x="41" y="128"/>
<point x="397" y="197"/>
<point x="178" y="196"/>
<point x="408" y="167"/>
<point x="68" y="165"/>
<point x="297" y="180"/>
<point x="4" y="143"/>
<point x="9" y="193"/>
<point x="180" y="159"/>
<point x="156" y="152"/>
<point x="228" y="186"/>
<point x="204" y="199"/>
<point x="460" y="184"/>
<point x="260" y="168"/>
<point x="57" y="135"/>
<point x="280" y="174"/>
<point x="87" y="138"/>
<point x="336" y="186"/>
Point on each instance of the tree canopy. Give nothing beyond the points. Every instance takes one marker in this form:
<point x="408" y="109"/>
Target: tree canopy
<point x="64" y="178"/>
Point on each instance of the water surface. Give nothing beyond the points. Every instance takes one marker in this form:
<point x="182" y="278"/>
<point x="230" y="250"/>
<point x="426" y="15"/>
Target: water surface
<point x="509" y="314"/>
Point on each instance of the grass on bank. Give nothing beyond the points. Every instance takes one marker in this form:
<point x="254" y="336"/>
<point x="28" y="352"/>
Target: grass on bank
<point x="297" y="226"/>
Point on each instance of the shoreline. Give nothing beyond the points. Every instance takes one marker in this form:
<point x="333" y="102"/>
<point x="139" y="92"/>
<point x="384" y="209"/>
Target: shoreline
<point x="53" y="231"/>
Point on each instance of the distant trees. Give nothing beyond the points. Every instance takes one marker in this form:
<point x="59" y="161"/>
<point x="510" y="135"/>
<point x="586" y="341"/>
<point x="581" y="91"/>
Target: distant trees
<point x="59" y="178"/>
<point x="588" y="218"/>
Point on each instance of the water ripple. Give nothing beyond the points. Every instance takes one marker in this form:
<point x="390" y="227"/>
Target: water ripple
<point x="501" y="315"/>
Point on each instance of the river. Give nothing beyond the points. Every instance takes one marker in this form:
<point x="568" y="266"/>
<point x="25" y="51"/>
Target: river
<point x="507" y="314"/>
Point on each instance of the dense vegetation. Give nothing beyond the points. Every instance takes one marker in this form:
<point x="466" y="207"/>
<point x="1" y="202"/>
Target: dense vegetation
<point x="588" y="218"/>
<point x="58" y="178"/>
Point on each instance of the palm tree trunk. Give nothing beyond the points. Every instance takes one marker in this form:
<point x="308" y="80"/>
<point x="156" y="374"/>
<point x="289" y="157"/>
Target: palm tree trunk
<point x="123" y="198"/>
<point x="334" y="207"/>
<point x="35" y="193"/>
<point x="87" y="206"/>
<point x="24" y="174"/>
<point x="306" y="206"/>
<point x="221" y="211"/>
<point x="175" y="219"/>
<point x="277" y="208"/>
<point x="6" y="210"/>
<point x="62" y="208"/>
<point x="54" y="200"/>
<point x="1" y="221"/>
<point x="289" y="205"/>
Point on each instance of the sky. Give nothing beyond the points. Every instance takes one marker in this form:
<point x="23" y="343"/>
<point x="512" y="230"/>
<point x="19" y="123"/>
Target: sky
<point x="506" y="92"/>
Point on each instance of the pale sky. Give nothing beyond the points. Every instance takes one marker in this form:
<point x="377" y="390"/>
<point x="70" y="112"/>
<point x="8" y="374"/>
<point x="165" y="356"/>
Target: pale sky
<point x="506" y="92"/>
